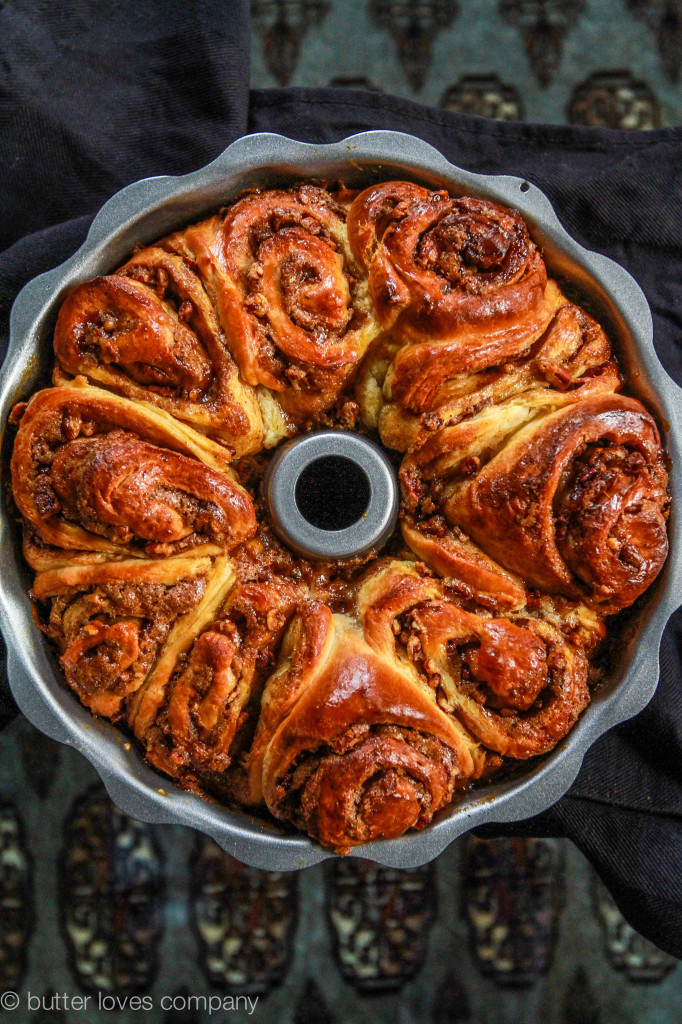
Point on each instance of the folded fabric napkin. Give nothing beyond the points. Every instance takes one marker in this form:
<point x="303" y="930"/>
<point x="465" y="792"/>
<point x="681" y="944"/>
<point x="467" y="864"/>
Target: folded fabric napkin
<point x="93" y="97"/>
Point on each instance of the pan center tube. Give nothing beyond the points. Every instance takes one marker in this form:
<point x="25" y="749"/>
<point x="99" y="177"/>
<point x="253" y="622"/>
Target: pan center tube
<point x="331" y="494"/>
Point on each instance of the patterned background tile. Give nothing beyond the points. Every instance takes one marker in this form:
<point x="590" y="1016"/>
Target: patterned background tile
<point x="614" y="62"/>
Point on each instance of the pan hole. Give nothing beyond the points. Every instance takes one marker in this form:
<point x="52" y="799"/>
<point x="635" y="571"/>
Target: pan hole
<point x="332" y="492"/>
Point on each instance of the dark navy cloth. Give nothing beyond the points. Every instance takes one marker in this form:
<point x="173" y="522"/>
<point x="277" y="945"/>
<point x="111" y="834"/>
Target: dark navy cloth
<point x="93" y="96"/>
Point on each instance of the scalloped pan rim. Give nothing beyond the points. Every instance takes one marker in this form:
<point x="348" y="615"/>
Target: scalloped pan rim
<point x="145" y="211"/>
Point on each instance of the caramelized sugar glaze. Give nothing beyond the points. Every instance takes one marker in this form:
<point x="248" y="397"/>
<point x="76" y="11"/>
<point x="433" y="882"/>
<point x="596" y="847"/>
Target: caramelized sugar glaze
<point x="355" y="699"/>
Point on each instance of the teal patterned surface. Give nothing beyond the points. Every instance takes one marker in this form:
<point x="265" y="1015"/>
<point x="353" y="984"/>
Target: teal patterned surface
<point x="614" y="62"/>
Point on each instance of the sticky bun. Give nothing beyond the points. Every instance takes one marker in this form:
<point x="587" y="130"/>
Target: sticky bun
<point x="351" y="700"/>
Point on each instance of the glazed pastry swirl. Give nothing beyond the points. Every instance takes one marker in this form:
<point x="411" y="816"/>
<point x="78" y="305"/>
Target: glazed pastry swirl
<point x="518" y="686"/>
<point x="291" y="299"/>
<point x="567" y="495"/>
<point x="458" y="282"/>
<point x="110" y="621"/>
<point x="189" y="726"/>
<point x="573" y="352"/>
<point x="347" y="747"/>
<point x="149" y="332"/>
<point x="89" y="472"/>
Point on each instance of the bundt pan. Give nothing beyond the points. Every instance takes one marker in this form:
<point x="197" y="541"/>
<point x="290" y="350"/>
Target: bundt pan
<point x="148" y="210"/>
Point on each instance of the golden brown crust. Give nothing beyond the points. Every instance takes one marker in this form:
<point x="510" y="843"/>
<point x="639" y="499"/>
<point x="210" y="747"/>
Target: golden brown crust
<point x="93" y="471"/>
<point x="150" y="333"/>
<point x="567" y="494"/>
<point x="517" y="685"/>
<point x="458" y="282"/>
<point x="347" y="746"/>
<point x="294" y="308"/>
<point x="573" y="352"/>
<point x="352" y="702"/>
<point x="216" y="686"/>
<point x="110" y="621"/>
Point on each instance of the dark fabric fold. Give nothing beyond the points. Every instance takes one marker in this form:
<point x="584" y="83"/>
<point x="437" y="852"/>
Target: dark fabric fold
<point x="93" y="97"/>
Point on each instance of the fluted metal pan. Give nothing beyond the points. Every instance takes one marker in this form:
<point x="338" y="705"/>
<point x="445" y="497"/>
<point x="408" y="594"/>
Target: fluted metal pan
<point x="149" y="209"/>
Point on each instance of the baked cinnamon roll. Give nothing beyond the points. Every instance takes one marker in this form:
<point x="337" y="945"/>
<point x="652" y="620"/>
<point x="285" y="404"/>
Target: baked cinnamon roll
<point x="457" y="282"/>
<point x="517" y="686"/>
<point x="150" y="333"/>
<point x="189" y="719"/>
<point x="565" y="492"/>
<point x="348" y="747"/>
<point x="573" y="352"/>
<point x="291" y="297"/>
<point x="110" y="620"/>
<point x="93" y="471"/>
